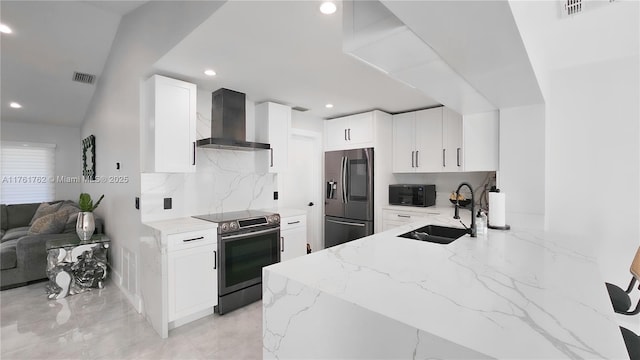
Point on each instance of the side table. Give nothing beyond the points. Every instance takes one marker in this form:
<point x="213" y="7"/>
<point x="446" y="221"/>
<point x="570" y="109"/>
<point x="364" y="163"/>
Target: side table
<point x="75" y="266"/>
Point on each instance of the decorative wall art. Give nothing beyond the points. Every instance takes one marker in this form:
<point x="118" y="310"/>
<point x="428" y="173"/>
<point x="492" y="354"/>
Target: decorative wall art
<point x="89" y="157"/>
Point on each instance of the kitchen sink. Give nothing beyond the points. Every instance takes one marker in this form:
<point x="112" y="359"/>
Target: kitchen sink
<point x="435" y="234"/>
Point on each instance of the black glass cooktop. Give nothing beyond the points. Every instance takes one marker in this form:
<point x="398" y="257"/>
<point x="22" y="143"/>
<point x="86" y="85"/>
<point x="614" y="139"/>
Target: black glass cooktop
<point x="233" y="215"/>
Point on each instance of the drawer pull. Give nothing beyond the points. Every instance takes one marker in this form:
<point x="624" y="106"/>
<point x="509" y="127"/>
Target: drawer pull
<point x="194" y="239"/>
<point x="282" y="243"/>
<point x="405" y="216"/>
<point x="215" y="260"/>
<point x="294" y="222"/>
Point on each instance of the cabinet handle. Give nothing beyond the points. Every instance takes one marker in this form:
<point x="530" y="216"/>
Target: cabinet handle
<point x="349" y="133"/>
<point x="294" y="222"/>
<point x="458" y="155"/>
<point x="345" y="134"/>
<point x="413" y="153"/>
<point x="417" y="158"/>
<point x="194" y="239"/>
<point x="194" y="153"/>
<point x="281" y="243"/>
<point x="444" y="164"/>
<point x="405" y="216"/>
<point x="271" y="150"/>
<point x="215" y="260"/>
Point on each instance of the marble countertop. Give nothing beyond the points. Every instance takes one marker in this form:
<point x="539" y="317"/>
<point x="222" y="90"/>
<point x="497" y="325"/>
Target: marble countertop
<point x="507" y="294"/>
<point x="184" y="224"/>
<point x="180" y="225"/>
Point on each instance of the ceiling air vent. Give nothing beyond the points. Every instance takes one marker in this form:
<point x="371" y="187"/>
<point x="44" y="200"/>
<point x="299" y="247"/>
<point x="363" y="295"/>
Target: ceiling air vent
<point x="576" y="7"/>
<point x="572" y="7"/>
<point x="83" y="78"/>
<point x="299" y="108"/>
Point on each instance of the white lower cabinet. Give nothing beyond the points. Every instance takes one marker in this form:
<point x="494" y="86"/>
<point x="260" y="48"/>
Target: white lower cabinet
<point x="193" y="281"/>
<point x="192" y="273"/>
<point x="293" y="237"/>
<point x="392" y="218"/>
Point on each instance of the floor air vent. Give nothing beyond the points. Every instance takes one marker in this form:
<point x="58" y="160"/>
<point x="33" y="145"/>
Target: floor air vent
<point x="83" y="78"/>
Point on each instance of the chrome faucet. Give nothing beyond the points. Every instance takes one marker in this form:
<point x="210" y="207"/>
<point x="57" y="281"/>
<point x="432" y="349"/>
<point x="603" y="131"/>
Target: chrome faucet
<point x="472" y="230"/>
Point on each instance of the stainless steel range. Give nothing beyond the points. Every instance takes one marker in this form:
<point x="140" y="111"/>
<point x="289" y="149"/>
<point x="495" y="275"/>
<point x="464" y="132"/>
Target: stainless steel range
<point x="247" y="241"/>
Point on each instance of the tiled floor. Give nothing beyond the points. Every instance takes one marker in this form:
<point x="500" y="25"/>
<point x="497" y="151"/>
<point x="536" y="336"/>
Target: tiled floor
<point x="101" y="324"/>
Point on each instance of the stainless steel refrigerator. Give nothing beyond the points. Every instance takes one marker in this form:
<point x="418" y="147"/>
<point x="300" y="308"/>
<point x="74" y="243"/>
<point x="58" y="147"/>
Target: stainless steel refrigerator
<point x="348" y="203"/>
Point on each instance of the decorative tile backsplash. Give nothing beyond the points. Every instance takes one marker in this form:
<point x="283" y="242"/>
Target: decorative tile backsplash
<point x="225" y="180"/>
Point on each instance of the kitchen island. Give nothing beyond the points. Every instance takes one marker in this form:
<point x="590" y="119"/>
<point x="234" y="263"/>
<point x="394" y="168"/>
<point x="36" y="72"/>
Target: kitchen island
<point x="507" y="294"/>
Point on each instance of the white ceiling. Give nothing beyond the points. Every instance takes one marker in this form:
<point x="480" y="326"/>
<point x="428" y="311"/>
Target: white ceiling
<point x="287" y="52"/>
<point x="51" y="40"/>
<point x="282" y="51"/>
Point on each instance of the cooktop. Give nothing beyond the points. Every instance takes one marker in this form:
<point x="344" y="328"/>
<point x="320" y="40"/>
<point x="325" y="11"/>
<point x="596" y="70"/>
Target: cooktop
<point x="233" y="215"/>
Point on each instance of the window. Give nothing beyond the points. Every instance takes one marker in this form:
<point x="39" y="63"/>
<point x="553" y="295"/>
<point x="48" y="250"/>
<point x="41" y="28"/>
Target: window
<point x="28" y="173"/>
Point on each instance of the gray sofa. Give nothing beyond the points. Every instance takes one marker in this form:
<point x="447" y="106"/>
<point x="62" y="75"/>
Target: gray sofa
<point x="23" y="253"/>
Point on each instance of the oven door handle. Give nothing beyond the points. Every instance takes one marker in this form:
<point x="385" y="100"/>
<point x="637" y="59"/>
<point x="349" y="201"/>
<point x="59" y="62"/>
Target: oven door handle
<point x="252" y="233"/>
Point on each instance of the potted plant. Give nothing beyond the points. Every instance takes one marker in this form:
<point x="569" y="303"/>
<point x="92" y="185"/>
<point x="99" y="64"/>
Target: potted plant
<point x="85" y="225"/>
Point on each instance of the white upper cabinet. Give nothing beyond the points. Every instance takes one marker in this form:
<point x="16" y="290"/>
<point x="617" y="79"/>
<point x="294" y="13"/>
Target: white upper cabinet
<point x="452" y="141"/>
<point x="168" y="134"/>
<point x="404" y="144"/>
<point x="441" y="140"/>
<point x="273" y="123"/>
<point x="429" y="140"/>
<point x="417" y="141"/>
<point x="350" y="132"/>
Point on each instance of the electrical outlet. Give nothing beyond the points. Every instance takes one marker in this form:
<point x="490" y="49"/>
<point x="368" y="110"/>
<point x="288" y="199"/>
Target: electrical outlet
<point x="167" y="203"/>
<point x="275" y="195"/>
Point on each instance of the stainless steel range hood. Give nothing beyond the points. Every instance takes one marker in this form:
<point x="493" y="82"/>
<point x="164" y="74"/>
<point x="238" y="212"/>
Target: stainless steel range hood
<point x="228" y="123"/>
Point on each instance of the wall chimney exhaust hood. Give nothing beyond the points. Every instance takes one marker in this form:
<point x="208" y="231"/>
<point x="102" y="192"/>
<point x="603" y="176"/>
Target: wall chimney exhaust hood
<point x="228" y="123"/>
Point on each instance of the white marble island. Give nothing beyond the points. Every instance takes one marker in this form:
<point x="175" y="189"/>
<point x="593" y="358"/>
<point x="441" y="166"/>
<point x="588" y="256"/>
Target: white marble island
<point x="507" y="295"/>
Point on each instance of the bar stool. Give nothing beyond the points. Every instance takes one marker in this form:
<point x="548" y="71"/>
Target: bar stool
<point x="632" y="341"/>
<point x="620" y="298"/>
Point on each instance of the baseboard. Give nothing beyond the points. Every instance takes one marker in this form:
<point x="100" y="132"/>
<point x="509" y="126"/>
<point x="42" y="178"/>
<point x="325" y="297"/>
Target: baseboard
<point x="134" y="299"/>
<point x="189" y="318"/>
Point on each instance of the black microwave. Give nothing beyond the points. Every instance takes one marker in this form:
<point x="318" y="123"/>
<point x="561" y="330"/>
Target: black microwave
<point x="412" y="195"/>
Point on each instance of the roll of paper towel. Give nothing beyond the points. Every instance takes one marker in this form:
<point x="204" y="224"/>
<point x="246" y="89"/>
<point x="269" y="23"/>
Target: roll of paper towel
<point x="496" y="209"/>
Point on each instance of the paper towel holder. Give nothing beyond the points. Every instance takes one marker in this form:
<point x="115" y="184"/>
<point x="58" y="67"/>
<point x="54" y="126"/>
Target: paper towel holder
<point x="502" y="227"/>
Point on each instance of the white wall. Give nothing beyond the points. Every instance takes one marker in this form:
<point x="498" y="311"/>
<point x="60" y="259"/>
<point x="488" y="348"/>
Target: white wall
<point x="594" y="159"/>
<point x="588" y="68"/>
<point x="522" y="165"/>
<point x="68" y="151"/>
<point x="301" y="120"/>
<point x="144" y="35"/>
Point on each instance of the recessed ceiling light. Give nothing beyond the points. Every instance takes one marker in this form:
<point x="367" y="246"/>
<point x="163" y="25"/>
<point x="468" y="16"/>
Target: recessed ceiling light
<point x="15" y="105"/>
<point x="209" y="72"/>
<point x="5" y="29"/>
<point x="329" y="106"/>
<point x="328" y="7"/>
